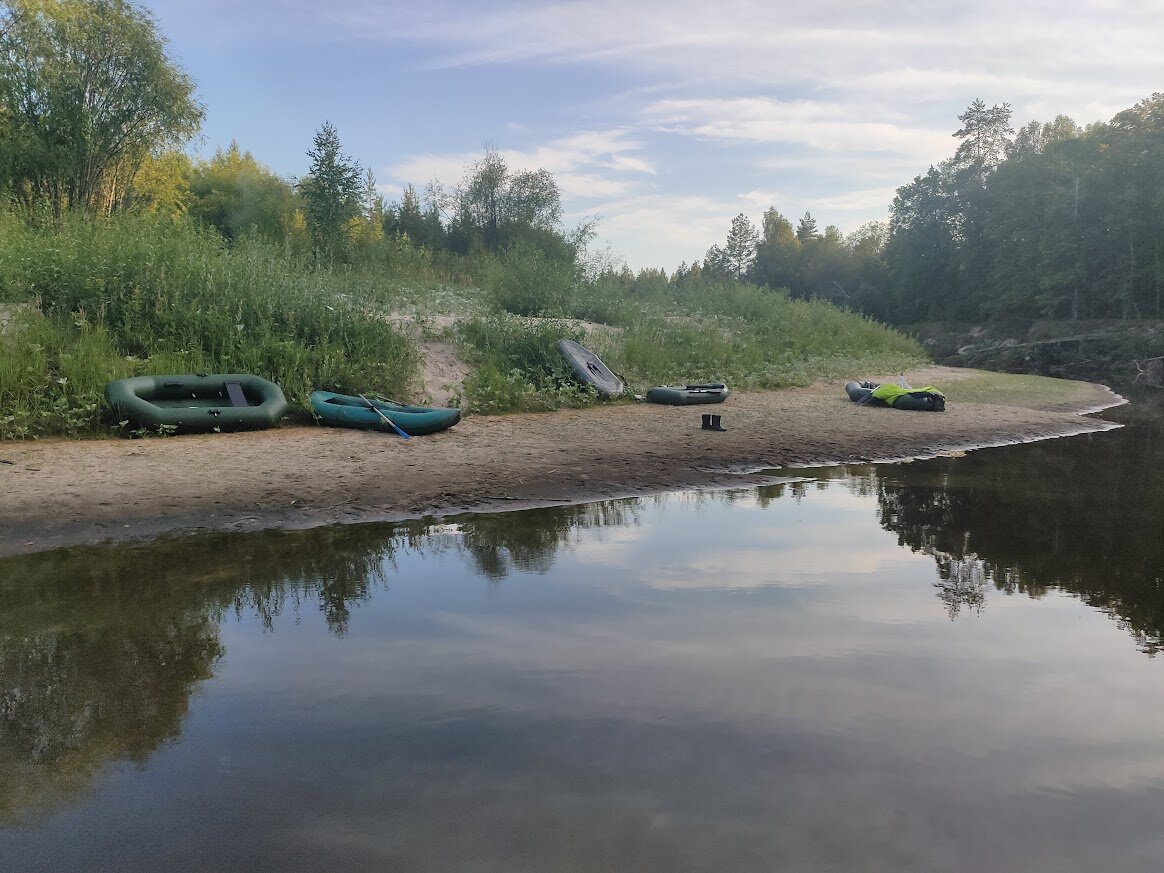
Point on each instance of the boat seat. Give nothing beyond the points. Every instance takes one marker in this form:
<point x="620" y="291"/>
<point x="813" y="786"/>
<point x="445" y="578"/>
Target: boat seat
<point x="235" y="393"/>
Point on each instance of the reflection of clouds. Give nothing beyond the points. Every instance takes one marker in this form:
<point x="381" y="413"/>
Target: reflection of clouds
<point x="608" y="546"/>
<point x="825" y="662"/>
<point x="752" y="568"/>
<point x="776" y="544"/>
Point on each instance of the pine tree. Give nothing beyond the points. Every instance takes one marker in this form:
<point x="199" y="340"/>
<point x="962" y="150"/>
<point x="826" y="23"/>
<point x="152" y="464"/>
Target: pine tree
<point x="985" y="135"/>
<point x="806" y="230"/>
<point x="332" y="190"/>
<point x="740" y="250"/>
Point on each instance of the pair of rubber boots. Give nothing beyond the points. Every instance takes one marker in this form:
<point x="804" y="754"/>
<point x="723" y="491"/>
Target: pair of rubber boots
<point x="712" y="422"/>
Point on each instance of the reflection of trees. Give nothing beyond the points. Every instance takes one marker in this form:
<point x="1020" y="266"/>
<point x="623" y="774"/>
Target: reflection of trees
<point x="100" y="648"/>
<point x="74" y="695"/>
<point x="961" y="583"/>
<point x="529" y="539"/>
<point x="1082" y="515"/>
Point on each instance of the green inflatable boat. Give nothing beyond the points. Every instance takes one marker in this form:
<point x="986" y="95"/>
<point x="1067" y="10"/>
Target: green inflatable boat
<point x="343" y="410"/>
<point x="197" y="403"/>
<point x="689" y="395"/>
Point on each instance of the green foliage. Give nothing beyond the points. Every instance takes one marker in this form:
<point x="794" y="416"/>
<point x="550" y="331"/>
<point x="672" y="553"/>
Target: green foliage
<point x="985" y="139"/>
<point x="172" y="298"/>
<point x="519" y="367"/>
<point x="525" y="281"/>
<point x="141" y="294"/>
<point x="332" y="190"/>
<point x="1061" y="222"/>
<point x="392" y="256"/>
<point x="162" y="185"/>
<point x="749" y="338"/>
<point x="52" y="375"/>
<point x="737" y="257"/>
<point x="777" y="253"/>
<point x="420" y="224"/>
<point x="496" y="210"/>
<point x="237" y="195"/>
<point x="86" y="92"/>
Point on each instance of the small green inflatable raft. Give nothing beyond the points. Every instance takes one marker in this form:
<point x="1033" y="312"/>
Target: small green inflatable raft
<point x="689" y="395"/>
<point x="197" y="403"/>
<point x="343" y="410"/>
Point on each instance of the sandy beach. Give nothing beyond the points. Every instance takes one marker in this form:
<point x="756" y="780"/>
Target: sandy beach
<point x="56" y="493"/>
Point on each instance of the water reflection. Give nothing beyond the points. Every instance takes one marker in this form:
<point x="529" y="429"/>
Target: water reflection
<point x="752" y="679"/>
<point x="530" y="539"/>
<point x="1081" y="515"/>
<point x="100" y="649"/>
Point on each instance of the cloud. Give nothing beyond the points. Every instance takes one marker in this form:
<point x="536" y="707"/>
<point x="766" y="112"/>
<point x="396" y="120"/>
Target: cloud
<point x="811" y="125"/>
<point x="659" y="229"/>
<point x="850" y="202"/>
<point x="1018" y="48"/>
<point x="584" y="163"/>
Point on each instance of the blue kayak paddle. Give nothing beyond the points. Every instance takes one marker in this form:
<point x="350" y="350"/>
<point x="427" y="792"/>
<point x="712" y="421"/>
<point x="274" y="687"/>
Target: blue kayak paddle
<point x="380" y="413"/>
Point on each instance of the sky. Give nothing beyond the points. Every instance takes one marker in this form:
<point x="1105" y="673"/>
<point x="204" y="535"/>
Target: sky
<point x="661" y="121"/>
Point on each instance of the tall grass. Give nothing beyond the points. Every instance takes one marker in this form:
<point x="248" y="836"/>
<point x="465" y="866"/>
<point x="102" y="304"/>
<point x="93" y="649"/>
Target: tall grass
<point x="52" y="377"/>
<point x="745" y="336"/>
<point x="518" y="365"/>
<point x="89" y="301"/>
<point x="756" y="339"/>
<point x="159" y="297"/>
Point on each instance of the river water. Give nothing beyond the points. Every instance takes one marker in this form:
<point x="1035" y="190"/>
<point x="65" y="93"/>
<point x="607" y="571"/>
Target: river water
<point x="950" y="665"/>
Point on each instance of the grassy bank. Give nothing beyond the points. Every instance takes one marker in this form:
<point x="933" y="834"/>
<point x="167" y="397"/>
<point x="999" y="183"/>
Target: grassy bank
<point x="83" y="302"/>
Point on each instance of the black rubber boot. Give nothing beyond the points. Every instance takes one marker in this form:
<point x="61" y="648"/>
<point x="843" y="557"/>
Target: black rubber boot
<point x="715" y="423"/>
<point x="706" y="423"/>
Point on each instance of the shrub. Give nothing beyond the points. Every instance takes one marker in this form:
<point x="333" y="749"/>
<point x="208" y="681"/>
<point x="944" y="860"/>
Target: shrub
<point x="525" y="281"/>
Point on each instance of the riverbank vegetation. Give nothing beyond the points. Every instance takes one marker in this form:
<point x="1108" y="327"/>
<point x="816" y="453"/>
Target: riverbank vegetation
<point x="123" y="256"/>
<point x="89" y="299"/>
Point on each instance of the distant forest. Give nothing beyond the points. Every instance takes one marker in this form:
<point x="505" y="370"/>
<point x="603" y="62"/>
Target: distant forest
<point x="1056" y="221"/>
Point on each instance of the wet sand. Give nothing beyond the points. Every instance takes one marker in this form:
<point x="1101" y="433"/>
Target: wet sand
<point x="56" y="493"/>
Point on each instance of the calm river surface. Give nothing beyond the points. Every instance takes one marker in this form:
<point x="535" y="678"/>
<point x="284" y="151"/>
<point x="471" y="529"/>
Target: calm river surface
<point x="942" y="666"/>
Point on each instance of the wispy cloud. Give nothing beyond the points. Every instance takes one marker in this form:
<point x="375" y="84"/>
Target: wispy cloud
<point x="812" y="124"/>
<point x="584" y="164"/>
<point x="655" y="229"/>
<point x="1019" y="47"/>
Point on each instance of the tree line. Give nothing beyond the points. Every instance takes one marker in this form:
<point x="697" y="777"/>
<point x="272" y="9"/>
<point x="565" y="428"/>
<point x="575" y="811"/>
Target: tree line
<point x="1054" y="221"/>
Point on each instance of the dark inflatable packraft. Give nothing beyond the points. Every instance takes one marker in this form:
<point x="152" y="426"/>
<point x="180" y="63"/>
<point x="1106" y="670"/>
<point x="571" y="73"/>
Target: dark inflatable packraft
<point x="197" y="403"/>
<point x="689" y="395"/>
<point x="590" y="370"/>
<point x="928" y="399"/>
